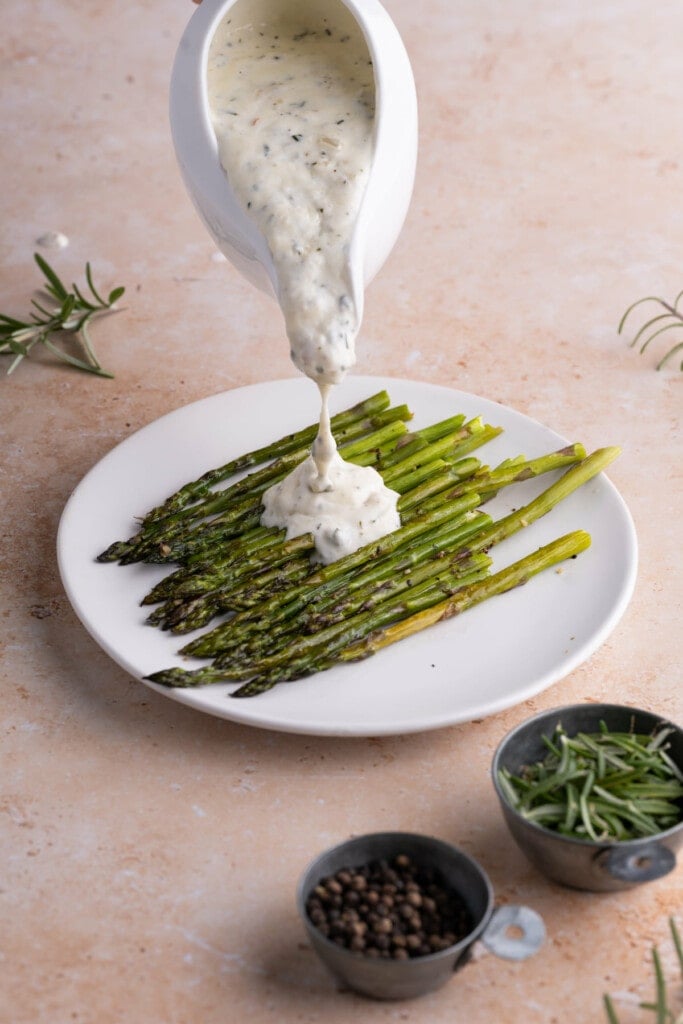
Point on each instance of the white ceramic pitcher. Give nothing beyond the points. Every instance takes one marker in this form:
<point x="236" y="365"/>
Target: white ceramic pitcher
<point x="390" y="183"/>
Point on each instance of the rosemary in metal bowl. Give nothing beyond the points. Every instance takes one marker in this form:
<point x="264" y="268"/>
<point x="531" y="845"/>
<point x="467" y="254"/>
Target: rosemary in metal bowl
<point x="605" y="786"/>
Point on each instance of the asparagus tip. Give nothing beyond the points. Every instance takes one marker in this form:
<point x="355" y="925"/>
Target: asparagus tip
<point x="115" y="551"/>
<point x="173" y="677"/>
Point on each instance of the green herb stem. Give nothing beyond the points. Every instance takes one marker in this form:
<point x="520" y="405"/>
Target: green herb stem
<point x="674" y="322"/>
<point x="70" y="317"/>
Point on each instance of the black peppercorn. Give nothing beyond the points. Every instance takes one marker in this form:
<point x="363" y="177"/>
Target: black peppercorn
<point x="390" y="909"/>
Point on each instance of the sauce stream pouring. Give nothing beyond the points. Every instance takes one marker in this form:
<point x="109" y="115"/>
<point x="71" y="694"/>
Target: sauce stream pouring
<point x="295" y="127"/>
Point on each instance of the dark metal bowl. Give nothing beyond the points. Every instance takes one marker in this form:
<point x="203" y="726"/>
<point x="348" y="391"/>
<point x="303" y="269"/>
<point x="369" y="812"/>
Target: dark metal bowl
<point x="582" y="863"/>
<point x="510" y="932"/>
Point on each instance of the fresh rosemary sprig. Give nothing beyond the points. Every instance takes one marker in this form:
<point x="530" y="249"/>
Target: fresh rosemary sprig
<point x="607" y="786"/>
<point x="670" y="320"/>
<point x="665" y="1012"/>
<point x="70" y="314"/>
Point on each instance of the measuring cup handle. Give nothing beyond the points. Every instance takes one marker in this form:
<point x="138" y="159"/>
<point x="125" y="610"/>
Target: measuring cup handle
<point x="644" y="864"/>
<point x="525" y="922"/>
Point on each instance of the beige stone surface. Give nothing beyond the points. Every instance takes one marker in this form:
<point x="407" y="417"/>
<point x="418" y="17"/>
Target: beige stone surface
<point x="149" y="854"/>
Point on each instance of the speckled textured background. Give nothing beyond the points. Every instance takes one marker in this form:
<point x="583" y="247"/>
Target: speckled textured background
<point x="149" y="853"/>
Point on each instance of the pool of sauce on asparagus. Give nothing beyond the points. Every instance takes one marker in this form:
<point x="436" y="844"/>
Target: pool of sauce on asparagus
<point x="293" y="105"/>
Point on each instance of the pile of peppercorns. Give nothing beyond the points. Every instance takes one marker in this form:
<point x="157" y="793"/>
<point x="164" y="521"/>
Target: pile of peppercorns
<point x="391" y="909"/>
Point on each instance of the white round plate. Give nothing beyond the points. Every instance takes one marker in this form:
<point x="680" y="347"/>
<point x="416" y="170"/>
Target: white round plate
<point x="498" y="654"/>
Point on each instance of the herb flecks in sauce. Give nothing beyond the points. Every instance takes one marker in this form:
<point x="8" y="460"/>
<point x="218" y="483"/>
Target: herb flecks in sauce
<point x="313" y="117"/>
<point x="296" y="142"/>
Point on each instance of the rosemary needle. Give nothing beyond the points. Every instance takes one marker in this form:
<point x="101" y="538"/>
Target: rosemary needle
<point x="670" y="320"/>
<point x="606" y="786"/>
<point x="69" y="314"/>
<point x="665" y="1013"/>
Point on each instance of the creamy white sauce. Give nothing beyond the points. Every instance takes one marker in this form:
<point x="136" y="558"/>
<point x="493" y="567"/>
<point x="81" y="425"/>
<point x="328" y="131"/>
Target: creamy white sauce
<point x="324" y="450"/>
<point x="291" y="92"/>
<point x="368" y="511"/>
<point x="344" y="506"/>
<point x="292" y="103"/>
